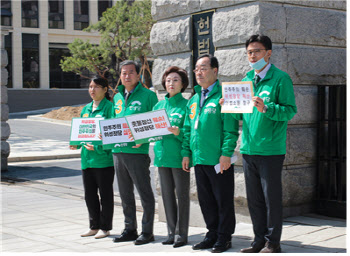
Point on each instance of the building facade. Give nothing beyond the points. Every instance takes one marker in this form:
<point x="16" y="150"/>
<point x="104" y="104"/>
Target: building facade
<point x="309" y="43"/>
<point x="40" y="33"/>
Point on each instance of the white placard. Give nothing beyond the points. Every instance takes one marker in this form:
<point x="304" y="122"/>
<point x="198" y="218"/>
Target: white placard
<point x="85" y="130"/>
<point x="238" y="97"/>
<point x="149" y="126"/>
<point x="114" y="131"/>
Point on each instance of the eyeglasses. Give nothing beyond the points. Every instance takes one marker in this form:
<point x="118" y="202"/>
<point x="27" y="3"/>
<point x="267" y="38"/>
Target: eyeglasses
<point x="95" y="87"/>
<point x="256" y="51"/>
<point x="200" y="70"/>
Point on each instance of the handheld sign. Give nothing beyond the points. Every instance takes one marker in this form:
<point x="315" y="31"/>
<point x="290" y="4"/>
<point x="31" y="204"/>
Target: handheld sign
<point x="115" y="133"/>
<point x="238" y="97"/>
<point x="85" y="130"/>
<point x="149" y="126"/>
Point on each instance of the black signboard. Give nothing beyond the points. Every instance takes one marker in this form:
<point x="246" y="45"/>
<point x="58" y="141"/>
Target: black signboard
<point x="202" y="35"/>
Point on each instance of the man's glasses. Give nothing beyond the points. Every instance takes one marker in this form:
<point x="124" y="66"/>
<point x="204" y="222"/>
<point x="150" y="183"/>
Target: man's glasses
<point x="255" y="51"/>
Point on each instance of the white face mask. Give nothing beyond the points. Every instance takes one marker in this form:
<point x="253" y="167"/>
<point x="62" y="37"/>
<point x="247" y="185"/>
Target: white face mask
<point x="259" y="64"/>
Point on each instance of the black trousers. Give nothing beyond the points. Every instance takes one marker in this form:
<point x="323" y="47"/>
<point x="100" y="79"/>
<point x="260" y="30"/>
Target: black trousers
<point x="264" y="195"/>
<point x="99" y="181"/>
<point x="216" y="199"/>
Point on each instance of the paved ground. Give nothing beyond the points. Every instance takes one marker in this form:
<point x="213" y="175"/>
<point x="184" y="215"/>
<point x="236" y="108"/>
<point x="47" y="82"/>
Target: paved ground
<point x="43" y="210"/>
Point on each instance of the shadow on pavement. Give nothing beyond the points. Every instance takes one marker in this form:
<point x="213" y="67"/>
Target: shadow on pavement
<point x="39" y="173"/>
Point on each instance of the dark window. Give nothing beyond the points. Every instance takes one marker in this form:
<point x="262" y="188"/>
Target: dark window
<point x="30" y="14"/>
<point x="56" y="14"/>
<point x="102" y="7"/>
<point x="6" y="13"/>
<point x="8" y="48"/>
<point x="58" y="78"/>
<point x="81" y="14"/>
<point x="30" y="60"/>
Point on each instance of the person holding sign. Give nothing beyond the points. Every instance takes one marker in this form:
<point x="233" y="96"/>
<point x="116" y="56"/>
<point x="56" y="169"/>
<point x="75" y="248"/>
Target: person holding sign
<point x="132" y="162"/>
<point x="210" y="139"/>
<point x="97" y="165"/>
<point x="168" y="158"/>
<point x="263" y="146"/>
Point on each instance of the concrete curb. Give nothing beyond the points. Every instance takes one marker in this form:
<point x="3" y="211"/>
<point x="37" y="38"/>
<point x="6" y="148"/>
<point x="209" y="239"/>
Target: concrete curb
<point x="46" y="157"/>
<point x="51" y="120"/>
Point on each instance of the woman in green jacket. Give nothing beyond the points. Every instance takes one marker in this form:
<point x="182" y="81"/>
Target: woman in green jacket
<point x="97" y="165"/>
<point x="174" y="181"/>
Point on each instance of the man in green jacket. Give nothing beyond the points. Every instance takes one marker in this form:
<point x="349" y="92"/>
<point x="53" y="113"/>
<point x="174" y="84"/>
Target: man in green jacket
<point x="263" y="146"/>
<point x="210" y="139"/>
<point x="132" y="162"/>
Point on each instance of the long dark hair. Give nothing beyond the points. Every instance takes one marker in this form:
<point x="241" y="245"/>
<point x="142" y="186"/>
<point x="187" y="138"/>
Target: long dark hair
<point x="102" y="82"/>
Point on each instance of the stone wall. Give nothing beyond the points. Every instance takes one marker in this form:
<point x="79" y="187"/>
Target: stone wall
<point x="309" y="43"/>
<point x="5" y="128"/>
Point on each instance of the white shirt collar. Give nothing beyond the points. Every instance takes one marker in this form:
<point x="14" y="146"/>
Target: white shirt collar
<point x="210" y="88"/>
<point x="262" y="74"/>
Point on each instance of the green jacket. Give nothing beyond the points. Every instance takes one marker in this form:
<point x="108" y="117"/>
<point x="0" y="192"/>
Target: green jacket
<point x="266" y="133"/>
<point x="168" y="150"/>
<point x="216" y="134"/>
<point x="98" y="158"/>
<point x="141" y="100"/>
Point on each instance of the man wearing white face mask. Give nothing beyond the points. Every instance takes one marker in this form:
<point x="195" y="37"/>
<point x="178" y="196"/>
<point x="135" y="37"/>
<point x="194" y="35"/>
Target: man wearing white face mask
<point x="263" y="146"/>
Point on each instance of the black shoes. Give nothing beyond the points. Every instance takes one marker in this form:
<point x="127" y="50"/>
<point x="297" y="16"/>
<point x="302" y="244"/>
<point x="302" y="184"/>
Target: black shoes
<point x="207" y="243"/>
<point x="221" y="246"/>
<point x="179" y="244"/>
<point x="126" y="236"/>
<point x="144" y="238"/>
<point x="170" y="240"/>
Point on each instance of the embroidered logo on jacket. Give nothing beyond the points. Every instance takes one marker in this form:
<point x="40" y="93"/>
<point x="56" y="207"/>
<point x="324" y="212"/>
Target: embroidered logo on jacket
<point x="265" y="99"/>
<point x="135" y="105"/>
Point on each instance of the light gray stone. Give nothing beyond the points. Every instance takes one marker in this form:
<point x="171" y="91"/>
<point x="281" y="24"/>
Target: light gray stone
<point x="213" y="4"/>
<point x="3" y="94"/>
<point x="4" y="76"/>
<point x="4" y="58"/>
<point x="230" y="24"/>
<point x="4" y="112"/>
<point x="5" y="130"/>
<point x="234" y="25"/>
<point x="304" y="26"/>
<point x="301" y="145"/>
<point x="165" y="9"/>
<point x="316" y="65"/>
<point x="298" y="185"/>
<point x="172" y="36"/>
<point x="233" y="64"/>
<point x="337" y="4"/>
<point x="162" y="63"/>
<point x="306" y="101"/>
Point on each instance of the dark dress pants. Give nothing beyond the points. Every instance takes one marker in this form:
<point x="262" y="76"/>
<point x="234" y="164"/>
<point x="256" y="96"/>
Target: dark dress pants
<point x="216" y="195"/>
<point x="176" y="180"/>
<point x="99" y="180"/>
<point x="264" y="196"/>
<point x="133" y="169"/>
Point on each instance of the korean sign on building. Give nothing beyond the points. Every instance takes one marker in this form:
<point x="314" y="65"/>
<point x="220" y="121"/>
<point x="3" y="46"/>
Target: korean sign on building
<point x="202" y="35"/>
